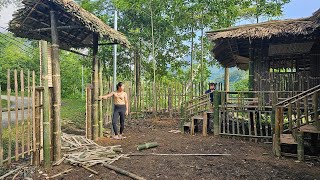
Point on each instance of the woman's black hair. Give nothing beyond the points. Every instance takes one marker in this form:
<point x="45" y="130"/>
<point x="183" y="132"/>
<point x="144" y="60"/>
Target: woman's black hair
<point x="119" y="85"/>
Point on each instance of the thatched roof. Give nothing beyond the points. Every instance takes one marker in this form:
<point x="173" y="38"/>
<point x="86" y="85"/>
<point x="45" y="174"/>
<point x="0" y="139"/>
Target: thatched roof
<point x="30" y="21"/>
<point x="231" y="45"/>
<point x="267" y="30"/>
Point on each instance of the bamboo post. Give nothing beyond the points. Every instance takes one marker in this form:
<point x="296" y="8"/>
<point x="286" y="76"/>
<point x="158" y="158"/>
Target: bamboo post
<point x="315" y="107"/>
<point x="1" y="143"/>
<point x="170" y="102"/>
<point x="51" y="123"/>
<point x="33" y="111"/>
<point x="36" y="131"/>
<point x="16" y="89"/>
<point x="9" y="115"/>
<point x="290" y="116"/>
<point x="306" y="109"/>
<point x="300" y="146"/>
<point x="56" y="82"/>
<point x="28" y="116"/>
<point x="22" y="112"/>
<point x="89" y="113"/>
<point x="95" y="92"/>
<point x="216" y="121"/>
<point x="276" y="143"/>
<point x="100" y="101"/>
<point x="46" y="105"/>
<point x="205" y="124"/>
<point x="129" y="102"/>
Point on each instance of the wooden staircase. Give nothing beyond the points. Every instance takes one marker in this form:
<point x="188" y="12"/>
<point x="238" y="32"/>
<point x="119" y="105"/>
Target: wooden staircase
<point x="297" y="123"/>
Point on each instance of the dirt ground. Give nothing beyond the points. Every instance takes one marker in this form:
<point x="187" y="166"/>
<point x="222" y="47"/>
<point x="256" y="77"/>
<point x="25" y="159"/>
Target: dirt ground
<point x="248" y="160"/>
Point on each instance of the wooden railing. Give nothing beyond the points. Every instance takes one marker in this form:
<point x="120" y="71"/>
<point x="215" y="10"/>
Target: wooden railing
<point x="195" y="106"/>
<point x="249" y="113"/>
<point x="294" y="113"/>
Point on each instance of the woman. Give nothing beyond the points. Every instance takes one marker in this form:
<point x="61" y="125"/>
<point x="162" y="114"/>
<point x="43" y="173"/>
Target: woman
<point x="120" y="108"/>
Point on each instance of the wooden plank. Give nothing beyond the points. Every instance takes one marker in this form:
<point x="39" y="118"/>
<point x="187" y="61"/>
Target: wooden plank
<point x="309" y="129"/>
<point x="287" y="139"/>
<point x="205" y="124"/>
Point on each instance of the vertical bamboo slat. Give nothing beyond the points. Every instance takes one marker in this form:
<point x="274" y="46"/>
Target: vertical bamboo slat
<point x="46" y="105"/>
<point x="56" y="81"/>
<point x="100" y="101"/>
<point x="9" y="115"/>
<point x="33" y="112"/>
<point x="28" y="116"/>
<point x="22" y="112"/>
<point x="16" y="89"/>
<point x="1" y="143"/>
<point x="89" y="113"/>
<point x="95" y="92"/>
<point x="36" y="152"/>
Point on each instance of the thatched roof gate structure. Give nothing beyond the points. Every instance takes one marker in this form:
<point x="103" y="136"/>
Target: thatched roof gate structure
<point x="66" y="25"/>
<point x="280" y="55"/>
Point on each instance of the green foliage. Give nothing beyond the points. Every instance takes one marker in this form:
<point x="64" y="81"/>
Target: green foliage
<point x="242" y="84"/>
<point x="71" y="74"/>
<point x="17" y="53"/>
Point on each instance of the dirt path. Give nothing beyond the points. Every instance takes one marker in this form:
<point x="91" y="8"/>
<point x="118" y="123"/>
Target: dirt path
<point x="248" y="160"/>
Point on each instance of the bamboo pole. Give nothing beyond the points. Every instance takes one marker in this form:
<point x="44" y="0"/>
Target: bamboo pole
<point x="216" y="121"/>
<point x="33" y="111"/>
<point x="129" y="102"/>
<point x="89" y="113"/>
<point x="276" y="143"/>
<point x="1" y="143"/>
<point x="300" y="146"/>
<point x="37" y="133"/>
<point x="56" y="81"/>
<point x="16" y="89"/>
<point x="28" y="116"/>
<point x="46" y="105"/>
<point x="22" y="112"/>
<point x="51" y="122"/>
<point x="95" y="92"/>
<point x="100" y="101"/>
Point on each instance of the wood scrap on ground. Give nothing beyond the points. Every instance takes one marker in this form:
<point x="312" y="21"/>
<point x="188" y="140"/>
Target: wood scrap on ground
<point x="11" y="172"/>
<point x="60" y="174"/>
<point x="174" y="131"/>
<point x="147" y="146"/>
<point x="83" y="152"/>
<point x="123" y="172"/>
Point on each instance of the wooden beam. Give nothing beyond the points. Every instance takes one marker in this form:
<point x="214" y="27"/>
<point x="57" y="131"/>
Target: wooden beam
<point x="95" y="83"/>
<point x="59" y="28"/>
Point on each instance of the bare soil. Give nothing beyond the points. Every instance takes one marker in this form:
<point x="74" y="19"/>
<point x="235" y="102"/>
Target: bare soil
<point x="248" y="160"/>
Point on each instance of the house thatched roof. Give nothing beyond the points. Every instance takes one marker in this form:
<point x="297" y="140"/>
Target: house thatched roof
<point x="31" y="20"/>
<point x="267" y="30"/>
<point x="231" y="45"/>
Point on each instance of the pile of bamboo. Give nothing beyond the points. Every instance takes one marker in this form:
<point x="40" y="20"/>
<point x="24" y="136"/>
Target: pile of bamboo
<point x="81" y="151"/>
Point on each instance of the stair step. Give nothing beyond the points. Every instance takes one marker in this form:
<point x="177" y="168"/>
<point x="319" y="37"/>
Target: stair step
<point x="287" y="139"/>
<point x="309" y="129"/>
<point x="198" y="117"/>
<point x="187" y="124"/>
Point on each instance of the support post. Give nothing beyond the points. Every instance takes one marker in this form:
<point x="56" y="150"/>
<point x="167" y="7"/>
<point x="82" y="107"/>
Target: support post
<point x="89" y="112"/>
<point x="46" y="105"/>
<point x="300" y="146"/>
<point x="277" y="133"/>
<point x="56" y="81"/>
<point x="95" y="92"/>
<point x="100" y="101"/>
<point x="36" y="131"/>
<point x="216" y="123"/>
<point x="251" y="68"/>
<point x="9" y="115"/>
<point x="170" y="102"/>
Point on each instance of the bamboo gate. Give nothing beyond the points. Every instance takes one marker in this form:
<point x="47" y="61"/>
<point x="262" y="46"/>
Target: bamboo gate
<point x="20" y="125"/>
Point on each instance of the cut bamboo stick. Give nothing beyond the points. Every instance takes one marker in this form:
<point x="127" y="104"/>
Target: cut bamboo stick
<point x="9" y="115"/>
<point x="17" y="114"/>
<point x="22" y="112"/>
<point x="59" y="174"/>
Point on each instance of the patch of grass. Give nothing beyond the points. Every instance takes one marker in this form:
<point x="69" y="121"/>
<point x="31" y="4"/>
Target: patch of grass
<point x="73" y="113"/>
<point x="4" y="103"/>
